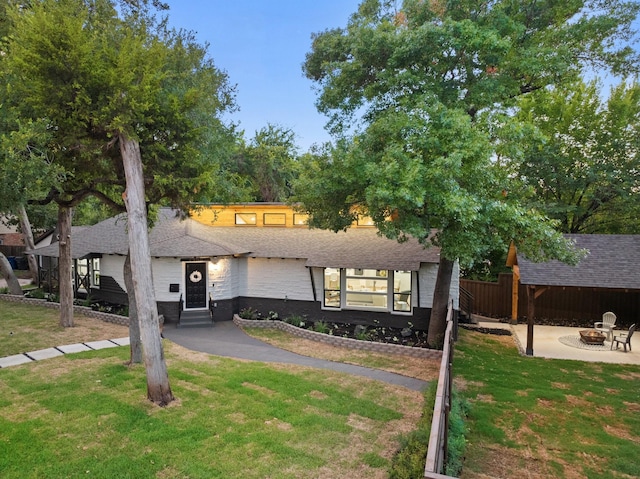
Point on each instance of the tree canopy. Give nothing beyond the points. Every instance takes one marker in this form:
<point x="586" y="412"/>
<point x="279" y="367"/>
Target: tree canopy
<point x="417" y="93"/>
<point x="580" y="164"/>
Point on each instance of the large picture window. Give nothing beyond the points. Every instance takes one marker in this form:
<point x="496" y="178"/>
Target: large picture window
<point x="331" y="288"/>
<point x="366" y="288"/>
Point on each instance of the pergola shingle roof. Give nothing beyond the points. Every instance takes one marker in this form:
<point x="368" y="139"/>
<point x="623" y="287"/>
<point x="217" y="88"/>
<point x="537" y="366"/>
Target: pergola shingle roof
<point x="612" y="262"/>
<point x="172" y="236"/>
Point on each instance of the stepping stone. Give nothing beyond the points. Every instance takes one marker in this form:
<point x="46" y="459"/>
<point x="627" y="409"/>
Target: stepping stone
<point x="73" y="348"/>
<point x="14" y="360"/>
<point x="44" y="354"/>
<point x="104" y="344"/>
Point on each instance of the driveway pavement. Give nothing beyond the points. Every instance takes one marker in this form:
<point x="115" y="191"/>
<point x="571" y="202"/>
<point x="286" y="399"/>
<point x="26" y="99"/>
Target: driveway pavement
<point x="227" y="339"/>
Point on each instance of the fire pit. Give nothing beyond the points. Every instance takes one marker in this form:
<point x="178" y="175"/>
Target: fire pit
<point x="591" y="336"/>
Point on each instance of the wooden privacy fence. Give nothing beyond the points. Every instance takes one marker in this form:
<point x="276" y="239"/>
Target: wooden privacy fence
<point x="437" y="450"/>
<point x="494" y="300"/>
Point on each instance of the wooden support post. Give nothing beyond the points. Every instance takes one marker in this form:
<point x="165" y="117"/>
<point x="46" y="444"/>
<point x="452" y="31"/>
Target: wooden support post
<point x="531" y="309"/>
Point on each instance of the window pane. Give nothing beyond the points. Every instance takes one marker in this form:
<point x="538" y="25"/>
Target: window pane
<point x="332" y="287"/>
<point x="402" y="290"/>
<point x="277" y="219"/>
<point x="245" y="218"/>
<point x="300" y="219"/>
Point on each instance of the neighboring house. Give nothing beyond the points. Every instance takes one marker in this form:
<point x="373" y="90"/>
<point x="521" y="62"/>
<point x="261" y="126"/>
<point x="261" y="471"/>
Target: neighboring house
<point x="9" y="235"/>
<point x="263" y="256"/>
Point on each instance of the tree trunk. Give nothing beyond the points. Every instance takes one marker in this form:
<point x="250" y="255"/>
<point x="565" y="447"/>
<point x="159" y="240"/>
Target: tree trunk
<point x="158" y="389"/>
<point x="7" y="273"/>
<point x="438" y="319"/>
<point x="135" y="344"/>
<point x="27" y="234"/>
<point x="65" y="284"/>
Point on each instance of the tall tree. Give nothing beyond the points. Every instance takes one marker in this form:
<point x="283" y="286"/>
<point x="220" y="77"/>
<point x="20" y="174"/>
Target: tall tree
<point x="582" y="159"/>
<point x="129" y="103"/>
<point x="269" y="163"/>
<point x="424" y="86"/>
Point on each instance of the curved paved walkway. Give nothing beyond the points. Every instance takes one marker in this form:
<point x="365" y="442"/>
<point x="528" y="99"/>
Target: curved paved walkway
<point x="227" y="339"/>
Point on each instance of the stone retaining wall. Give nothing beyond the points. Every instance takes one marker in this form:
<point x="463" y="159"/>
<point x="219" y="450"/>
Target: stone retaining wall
<point x="339" y="341"/>
<point x="83" y="310"/>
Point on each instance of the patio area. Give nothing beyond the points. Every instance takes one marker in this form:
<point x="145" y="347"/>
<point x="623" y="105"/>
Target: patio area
<point x="557" y="342"/>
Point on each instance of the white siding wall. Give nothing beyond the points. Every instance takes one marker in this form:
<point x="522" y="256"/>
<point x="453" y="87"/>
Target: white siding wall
<point x="165" y="272"/>
<point x="428" y="274"/>
<point x="276" y="278"/>
<point x="223" y="273"/>
<point x="113" y="265"/>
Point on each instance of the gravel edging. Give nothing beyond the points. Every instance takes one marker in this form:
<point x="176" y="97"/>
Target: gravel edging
<point x="84" y="310"/>
<point x="350" y="343"/>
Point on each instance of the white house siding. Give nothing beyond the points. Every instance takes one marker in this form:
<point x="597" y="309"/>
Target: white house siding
<point x="276" y="278"/>
<point x="427" y="279"/>
<point x="223" y="274"/>
<point x="113" y="265"/>
<point x="167" y="271"/>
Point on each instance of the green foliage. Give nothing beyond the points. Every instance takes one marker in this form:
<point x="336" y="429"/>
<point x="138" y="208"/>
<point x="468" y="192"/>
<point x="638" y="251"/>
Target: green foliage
<point x="580" y="163"/>
<point x="321" y="327"/>
<point x="296" y="320"/>
<point x="409" y="461"/>
<point x="269" y="163"/>
<point x="456" y="440"/>
<point x="249" y="313"/>
<point x="94" y="71"/>
<point x="432" y="84"/>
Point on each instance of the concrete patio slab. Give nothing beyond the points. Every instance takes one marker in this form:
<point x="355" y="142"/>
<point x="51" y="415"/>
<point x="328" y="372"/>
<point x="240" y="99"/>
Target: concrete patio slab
<point x="14" y="360"/>
<point x="104" y="344"/>
<point x="44" y="354"/>
<point x="546" y="344"/>
<point x="74" y="348"/>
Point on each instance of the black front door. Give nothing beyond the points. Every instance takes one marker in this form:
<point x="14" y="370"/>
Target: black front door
<point x="196" y="285"/>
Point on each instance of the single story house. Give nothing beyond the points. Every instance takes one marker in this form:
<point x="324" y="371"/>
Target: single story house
<point x="262" y="256"/>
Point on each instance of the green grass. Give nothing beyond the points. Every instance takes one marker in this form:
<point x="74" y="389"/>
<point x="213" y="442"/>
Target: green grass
<point x="554" y="418"/>
<point x="86" y="415"/>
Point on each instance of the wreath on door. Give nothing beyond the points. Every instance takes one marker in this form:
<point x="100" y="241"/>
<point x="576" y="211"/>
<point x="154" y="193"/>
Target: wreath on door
<point x="195" y="276"/>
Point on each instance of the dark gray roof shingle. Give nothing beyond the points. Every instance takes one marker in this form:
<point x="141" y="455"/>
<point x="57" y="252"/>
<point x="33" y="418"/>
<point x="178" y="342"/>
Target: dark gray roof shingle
<point x="172" y="236"/>
<point x="613" y="261"/>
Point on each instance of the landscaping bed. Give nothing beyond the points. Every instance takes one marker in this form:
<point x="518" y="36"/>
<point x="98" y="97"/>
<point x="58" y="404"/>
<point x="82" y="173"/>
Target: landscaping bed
<point x="380" y="334"/>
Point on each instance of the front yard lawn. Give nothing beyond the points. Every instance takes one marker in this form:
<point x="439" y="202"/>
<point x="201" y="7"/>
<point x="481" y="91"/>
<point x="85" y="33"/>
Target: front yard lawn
<point x="86" y="415"/>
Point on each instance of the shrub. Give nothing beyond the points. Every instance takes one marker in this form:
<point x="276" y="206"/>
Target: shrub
<point x="249" y="313"/>
<point x="321" y="327"/>
<point x="35" y="294"/>
<point x="456" y="441"/>
<point x="295" y="320"/>
<point x="273" y="316"/>
<point x="409" y="461"/>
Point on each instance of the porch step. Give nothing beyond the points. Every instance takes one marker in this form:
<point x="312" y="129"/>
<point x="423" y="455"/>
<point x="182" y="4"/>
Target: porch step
<point x="195" y="319"/>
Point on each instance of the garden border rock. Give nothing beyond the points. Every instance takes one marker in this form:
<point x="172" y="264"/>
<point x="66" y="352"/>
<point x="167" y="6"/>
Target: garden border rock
<point x="84" y="310"/>
<point x="350" y="343"/>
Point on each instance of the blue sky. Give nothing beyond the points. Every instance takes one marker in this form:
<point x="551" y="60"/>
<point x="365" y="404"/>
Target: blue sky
<point x="262" y="45"/>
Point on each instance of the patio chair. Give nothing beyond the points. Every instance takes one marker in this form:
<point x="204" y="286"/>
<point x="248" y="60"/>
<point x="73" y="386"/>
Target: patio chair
<point x="606" y="325"/>
<point x="623" y="338"/>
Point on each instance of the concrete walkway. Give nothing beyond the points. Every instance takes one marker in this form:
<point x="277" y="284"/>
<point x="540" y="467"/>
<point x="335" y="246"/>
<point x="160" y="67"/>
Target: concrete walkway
<point x="48" y="353"/>
<point x="547" y="344"/>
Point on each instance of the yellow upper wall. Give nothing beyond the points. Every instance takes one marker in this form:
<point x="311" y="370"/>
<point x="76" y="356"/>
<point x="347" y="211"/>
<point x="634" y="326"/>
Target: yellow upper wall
<point x="256" y="214"/>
